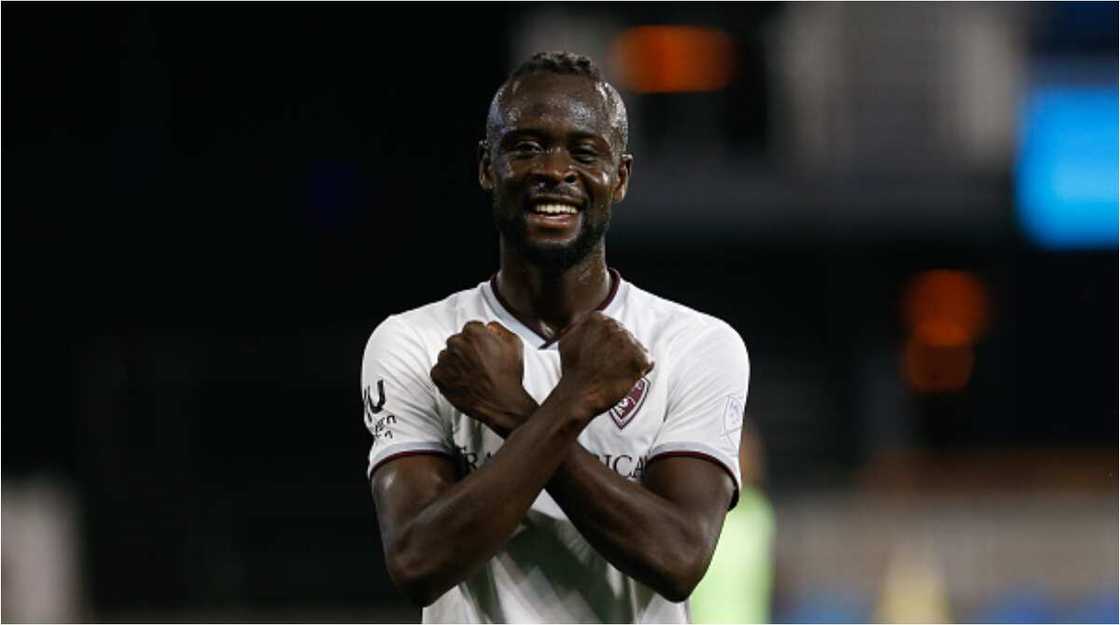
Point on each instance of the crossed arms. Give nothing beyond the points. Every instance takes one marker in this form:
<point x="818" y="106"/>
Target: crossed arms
<point x="437" y="529"/>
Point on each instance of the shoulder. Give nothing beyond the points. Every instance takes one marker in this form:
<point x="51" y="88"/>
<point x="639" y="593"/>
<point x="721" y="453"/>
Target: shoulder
<point x="419" y="333"/>
<point x="684" y="327"/>
<point x="433" y="321"/>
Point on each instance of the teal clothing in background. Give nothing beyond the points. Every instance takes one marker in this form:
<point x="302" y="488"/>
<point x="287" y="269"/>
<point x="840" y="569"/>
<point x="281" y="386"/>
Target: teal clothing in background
<point x="736" y="588"/>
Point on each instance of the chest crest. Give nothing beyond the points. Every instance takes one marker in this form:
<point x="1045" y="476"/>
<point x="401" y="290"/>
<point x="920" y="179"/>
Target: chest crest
<point x="627" y="408"/>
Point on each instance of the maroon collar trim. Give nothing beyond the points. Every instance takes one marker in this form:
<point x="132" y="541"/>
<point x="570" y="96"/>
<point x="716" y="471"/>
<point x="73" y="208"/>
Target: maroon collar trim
<point x="534" y="324"/>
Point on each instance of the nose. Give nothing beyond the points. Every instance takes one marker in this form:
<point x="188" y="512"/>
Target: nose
<point x="554" y="166"/>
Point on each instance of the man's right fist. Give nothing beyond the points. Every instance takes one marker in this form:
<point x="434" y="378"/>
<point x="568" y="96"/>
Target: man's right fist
<point x="601" y="361"/>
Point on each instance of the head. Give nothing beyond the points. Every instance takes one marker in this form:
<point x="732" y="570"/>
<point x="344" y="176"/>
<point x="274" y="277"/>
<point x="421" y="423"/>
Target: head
<point x="555" y="159"/>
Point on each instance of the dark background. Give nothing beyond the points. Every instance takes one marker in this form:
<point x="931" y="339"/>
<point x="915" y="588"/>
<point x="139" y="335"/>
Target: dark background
<point x="209" y="207"/>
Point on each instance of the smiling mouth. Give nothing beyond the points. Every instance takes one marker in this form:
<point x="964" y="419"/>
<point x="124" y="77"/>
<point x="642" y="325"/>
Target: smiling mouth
<point x="552" y="208"/>
<point x="552" y="217"/>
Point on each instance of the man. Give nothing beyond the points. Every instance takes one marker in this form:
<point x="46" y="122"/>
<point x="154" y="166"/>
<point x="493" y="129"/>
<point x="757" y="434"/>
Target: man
<point x="555" y="444"/>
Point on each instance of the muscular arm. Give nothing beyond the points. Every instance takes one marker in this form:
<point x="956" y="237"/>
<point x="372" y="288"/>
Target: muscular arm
<point x="436" y="531"/>
<point x="662" y="532"/>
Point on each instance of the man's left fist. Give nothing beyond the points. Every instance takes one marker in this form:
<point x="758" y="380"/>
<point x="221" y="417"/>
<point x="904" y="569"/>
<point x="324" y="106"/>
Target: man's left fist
<point x="480" y="373"/>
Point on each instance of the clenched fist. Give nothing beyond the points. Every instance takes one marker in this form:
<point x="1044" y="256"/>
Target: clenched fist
<point x="601" y="362"/>
<point x="480" y="373"/>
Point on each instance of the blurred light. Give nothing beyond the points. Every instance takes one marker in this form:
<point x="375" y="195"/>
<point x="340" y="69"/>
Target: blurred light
<point x="1066" y="177"/>
<point x="945" y="308"/>
<point x="945" y="311"/>
<point x="936" y="369"/>
<point x="914" y="589"/>
<point x="666" y="59"/>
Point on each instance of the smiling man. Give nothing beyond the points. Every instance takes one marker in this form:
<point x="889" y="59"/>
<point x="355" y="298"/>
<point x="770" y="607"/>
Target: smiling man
<point x="555" y="444"/>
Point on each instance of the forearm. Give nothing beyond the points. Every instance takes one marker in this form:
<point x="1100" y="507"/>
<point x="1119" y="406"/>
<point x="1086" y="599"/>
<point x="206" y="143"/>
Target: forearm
<point x="642" y="534"/>
<point x="468" y="523"/>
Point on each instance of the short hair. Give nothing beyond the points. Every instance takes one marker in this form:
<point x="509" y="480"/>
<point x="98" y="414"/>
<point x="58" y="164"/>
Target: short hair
<point x="566" y="63"/>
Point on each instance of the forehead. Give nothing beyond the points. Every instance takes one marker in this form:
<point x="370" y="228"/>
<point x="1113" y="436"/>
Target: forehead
<point x="572" y="102"/>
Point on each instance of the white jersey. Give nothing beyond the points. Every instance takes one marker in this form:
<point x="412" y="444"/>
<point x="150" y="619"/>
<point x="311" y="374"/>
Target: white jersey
<point x="690" y="404"/>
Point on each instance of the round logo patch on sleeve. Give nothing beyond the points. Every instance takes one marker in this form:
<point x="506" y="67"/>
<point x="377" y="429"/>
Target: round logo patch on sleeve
<point x="732" y="419"/>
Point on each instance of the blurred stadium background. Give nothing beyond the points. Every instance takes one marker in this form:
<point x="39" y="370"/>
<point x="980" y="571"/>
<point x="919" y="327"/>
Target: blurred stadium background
<point x="908" y="211"/>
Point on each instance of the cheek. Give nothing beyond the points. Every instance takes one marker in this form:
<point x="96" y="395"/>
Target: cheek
<point x="508" y="187"/>
<point x="510" y="173"/>
<point x="602" y="183"/>
<point x="505" y="177"/>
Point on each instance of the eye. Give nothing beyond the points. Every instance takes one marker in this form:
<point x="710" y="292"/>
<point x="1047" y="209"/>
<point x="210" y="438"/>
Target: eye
<point x="526" y="147"/>
<point x="585" y="154"/>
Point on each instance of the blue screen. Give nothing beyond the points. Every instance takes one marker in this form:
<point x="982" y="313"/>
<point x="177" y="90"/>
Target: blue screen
<point x="1066" y="176"/>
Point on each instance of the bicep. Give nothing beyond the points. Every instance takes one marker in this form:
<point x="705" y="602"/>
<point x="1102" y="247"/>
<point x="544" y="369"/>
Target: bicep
<point x="699" y="488"/>
<point x="704" y="415"/>
<point x="404" y="486"/>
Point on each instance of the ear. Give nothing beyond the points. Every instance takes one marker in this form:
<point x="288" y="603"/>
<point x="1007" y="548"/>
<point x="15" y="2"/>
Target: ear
<point x="485" y="167"/>
<point x="625" y="165"/>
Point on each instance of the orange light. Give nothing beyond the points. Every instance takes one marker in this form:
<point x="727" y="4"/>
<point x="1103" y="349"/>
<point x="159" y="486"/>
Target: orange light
<point x="666" y="59"/>
<point x="946" y="308"/>
<point x="936" y="369"/>
<point x="946" y="312"/>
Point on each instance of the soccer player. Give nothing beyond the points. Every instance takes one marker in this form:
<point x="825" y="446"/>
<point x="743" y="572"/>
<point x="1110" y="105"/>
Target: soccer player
<point x="555" y="444"/>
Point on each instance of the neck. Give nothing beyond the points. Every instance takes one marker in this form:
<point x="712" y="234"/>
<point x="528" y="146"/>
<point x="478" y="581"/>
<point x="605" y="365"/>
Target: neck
<point x="548" y="298"/>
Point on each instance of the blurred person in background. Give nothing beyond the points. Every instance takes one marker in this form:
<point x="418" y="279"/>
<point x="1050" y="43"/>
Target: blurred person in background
<point x="738" y="584"/>
<point x="529" y="463"/>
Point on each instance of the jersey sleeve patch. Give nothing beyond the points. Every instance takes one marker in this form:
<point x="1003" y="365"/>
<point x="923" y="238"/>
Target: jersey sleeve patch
<point x="399" y="401"/>
<point x="733" y="420"/>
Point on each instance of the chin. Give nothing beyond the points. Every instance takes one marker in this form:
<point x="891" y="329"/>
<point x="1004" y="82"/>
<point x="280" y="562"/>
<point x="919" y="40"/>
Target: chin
<point x="552" y="255"/>
<point x="559" y="256"/>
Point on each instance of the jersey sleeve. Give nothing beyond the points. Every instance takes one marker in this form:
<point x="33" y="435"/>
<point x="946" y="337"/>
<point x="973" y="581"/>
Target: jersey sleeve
<point x="707" y="396"/>
<point x="398" y="397"/>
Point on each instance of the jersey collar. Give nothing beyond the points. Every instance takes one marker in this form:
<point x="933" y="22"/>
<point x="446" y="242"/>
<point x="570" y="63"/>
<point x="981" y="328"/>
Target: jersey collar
<point x="526" y="328"/>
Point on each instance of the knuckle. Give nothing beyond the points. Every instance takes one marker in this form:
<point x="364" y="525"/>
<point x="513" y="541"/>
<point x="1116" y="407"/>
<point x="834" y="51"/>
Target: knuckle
<point x="472" y="327"/>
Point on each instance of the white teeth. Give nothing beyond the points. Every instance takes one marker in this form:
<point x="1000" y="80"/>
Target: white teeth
<point x="555" y="209"/>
